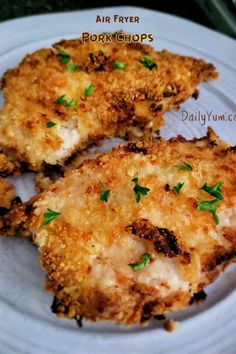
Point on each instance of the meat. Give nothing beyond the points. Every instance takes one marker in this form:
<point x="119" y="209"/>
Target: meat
<point x="8" y="200"/>
<point x="118" y="245"/>
<point x="61" y="100"/>
<point x="7" y="194"/>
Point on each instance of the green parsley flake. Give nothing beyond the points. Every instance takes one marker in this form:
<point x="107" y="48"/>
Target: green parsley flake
<point x="49" y="216"/>
<point x="215" y="190"/>
<point x="139" y="190"/>
<point x="62" y="100"/>
<point x="64" y="57"/>
<point x="51" y="124"/>
<point x="210" y="205"/>
<point x="145" y="261"/>
<point x="89" y="90"/>
<point x="184" y="167"/>
<point x="148" y="62"/>
<point x="178" y="187"/>
<point x="72" y="67"/>
<point x="105" y="193"/>
<point x="118" y="65"/>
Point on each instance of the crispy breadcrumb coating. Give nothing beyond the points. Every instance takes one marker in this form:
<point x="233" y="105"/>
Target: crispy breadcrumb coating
<point x="8" y="199"/>
<point x="171" y="325"/>
<point x="45" y="178"/>
<point x="124" y="259"/>
<point x="8" y="166"/>
<point x="7" y="193"/>
<point x="53" y="108"/>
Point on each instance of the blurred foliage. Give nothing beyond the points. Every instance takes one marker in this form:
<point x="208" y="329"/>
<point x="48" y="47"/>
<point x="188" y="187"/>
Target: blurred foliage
<point x="19" y="8"/>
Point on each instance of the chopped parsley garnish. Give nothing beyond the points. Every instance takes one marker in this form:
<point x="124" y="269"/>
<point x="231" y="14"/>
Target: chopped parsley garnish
<point x="139" y="190"/>
<point x="148" y="62"/>
<point x="51" y="124"/>
<point x="178" y="187"/>
<point x="215" y="190"/>
<point x="145" y="261"/>
<point x="105" y="193"/>
<point x="210" y="205"/>
<point x="72" y="67"/>
<point x="184" y="167"/>
<point x="89" y="90"/>
<point x="64" y="57"/>
<point x="62" y="100"/>
<point x="118" y="65"/>
<point x="49" y="216"/>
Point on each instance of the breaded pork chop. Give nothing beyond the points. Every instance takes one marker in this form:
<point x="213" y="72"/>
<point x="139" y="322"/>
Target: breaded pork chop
<point x="9" y="166"/>
<point x="65" y="98"/>
<point x="8" y="199"/>
<point x="7" y="194"/>
<point x="45" y="178"/>
<point x="137" y="231"/>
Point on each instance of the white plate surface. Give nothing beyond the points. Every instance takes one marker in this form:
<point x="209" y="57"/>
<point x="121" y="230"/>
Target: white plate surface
<point x="27" y="325"/>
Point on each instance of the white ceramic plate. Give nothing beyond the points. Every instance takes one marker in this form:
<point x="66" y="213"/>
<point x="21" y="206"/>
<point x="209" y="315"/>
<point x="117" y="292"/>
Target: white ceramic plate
<point x="27" y="324"/>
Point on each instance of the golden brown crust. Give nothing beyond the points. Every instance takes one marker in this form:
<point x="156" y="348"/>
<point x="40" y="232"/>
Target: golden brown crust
<point x="8" y="199"/>
<point x="124" y="102"/>
<point x="171" y="325"/>
<point x="7" y="193"/>
<point x="87" y="250"/>
<point x="45" y="179"/>
<point x="9" y="166"/>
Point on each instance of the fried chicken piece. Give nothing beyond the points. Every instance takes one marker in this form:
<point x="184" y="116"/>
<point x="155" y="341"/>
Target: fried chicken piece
<point x="76" y="87"/>
<point x="144" y="248"/>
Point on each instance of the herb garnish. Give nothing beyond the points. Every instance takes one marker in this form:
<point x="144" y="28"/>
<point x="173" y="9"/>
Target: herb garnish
<point x="62" y="100"/>
<point x="89" y="90"/>
<point x="178" y="187"/>
<point x="148" y="62"/>
<point x="105" y="193"/>
<point x="64" y="57"/>
<point x="184" y="167"/>
<point x="139" y="190"/>
<point x="215" y="190"/>
<point x="50" y="215"/>
<point x="146" y="260"/>
<point x="210" y="205"/>
<point x="72" y="67"/>
<point x="51" y="124"/>
<point x="118" y="65"/>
